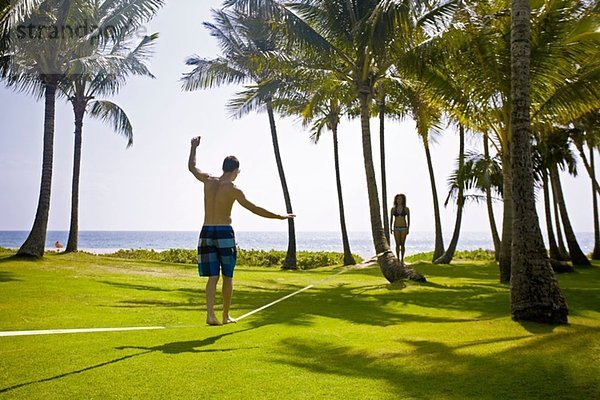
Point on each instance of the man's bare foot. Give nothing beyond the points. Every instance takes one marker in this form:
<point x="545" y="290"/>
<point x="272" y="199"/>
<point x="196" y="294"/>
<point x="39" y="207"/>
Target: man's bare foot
<point x="228" y="320"/>
<point x="213" y="321"/>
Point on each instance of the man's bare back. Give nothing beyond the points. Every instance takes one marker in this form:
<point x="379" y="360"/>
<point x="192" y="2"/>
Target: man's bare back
<point x="219" y="196"/>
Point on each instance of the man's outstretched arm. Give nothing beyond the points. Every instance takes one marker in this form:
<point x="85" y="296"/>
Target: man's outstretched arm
<point x="244" y="202"/>
<point x="201" y="176"/>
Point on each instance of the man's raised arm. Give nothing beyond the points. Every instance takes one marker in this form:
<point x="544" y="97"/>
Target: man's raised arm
<point x="201" y="176"/>
<point x="244" y="202"/>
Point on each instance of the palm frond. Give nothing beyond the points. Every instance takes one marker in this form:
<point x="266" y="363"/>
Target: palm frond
<point x="113" y="115"/>
<point x="211" y="73"/>
<point x="124" y="15"/>
<point x="437" y="18"/>
<point x="252" y="98"/>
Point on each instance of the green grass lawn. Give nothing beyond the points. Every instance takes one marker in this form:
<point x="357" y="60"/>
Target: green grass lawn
<point x="352" y="337"/>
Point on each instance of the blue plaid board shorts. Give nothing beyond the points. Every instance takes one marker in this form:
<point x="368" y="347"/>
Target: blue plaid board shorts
<point x="216" y="250"/>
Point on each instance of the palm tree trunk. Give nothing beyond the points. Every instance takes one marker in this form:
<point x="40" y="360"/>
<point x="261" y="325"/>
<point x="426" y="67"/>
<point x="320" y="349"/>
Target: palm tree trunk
<point x="534" y="292"/>
<point x="554" y="252"/>
<point x="348" y="259"/>
<point x="449" y="254"/>
<point x="564" y="254"/>
<point x="290" y="258"/>
<point x="35" y="243"/>
<point x="79" y="110"/>
<point x="577" y="256"/>
<point x="439" y="240"/>
<point x="507" y="216"/>
<point x="596" y="252"/>
<point x="589" y="167"/>
<point x="390" y="267"/>
<point x="386" y="224"/>
<point x="488" y="201"/>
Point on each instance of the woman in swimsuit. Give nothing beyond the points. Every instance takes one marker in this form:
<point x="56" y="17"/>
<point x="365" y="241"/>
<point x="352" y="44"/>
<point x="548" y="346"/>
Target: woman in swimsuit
<point x="400" y="223"/>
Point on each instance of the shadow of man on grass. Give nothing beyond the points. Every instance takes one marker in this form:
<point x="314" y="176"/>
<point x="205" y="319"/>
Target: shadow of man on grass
<point x="190" y="346"/>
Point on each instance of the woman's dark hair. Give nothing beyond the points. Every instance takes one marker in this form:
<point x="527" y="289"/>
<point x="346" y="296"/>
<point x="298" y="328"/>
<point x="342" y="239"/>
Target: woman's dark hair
<point x="402" y="200"/>
<point x="230" y="164"/>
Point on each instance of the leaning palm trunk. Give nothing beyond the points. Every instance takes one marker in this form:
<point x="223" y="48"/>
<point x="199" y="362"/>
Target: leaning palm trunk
<point x="290" y="258"/>
<point x="72" y="242"/>
<point x="386" y="224"/>
<point x="596" y="252"/>
<point x="554" y="252"/>
<point x="534" y="292"/>
<point x="564" y="254"/>
<point x="589" y="166"/>
<point x="35" y="243"/>
<point x="577" y="256"/>
<point x="439" y="240"/>
<point x="348" y="259"/>
<point x="488" y="201"/>
<point x="507" y="217"/>
<point x="391" y="268"/>
<point x="446" y="258"/>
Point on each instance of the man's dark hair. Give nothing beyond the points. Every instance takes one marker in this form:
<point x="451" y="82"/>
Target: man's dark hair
<point x="230" y="164"/>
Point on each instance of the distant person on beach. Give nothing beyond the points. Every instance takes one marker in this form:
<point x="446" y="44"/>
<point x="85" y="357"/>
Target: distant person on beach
<point x="58" y="245"/>
<point x="400" y="223"/>
<point x="217" y="249"/>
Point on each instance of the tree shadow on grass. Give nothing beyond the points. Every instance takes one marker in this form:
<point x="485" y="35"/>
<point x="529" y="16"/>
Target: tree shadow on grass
<point x="355" y="304"/>
<point x="6" y="276"/>
<point x="507" y="368"/>
<point x="149" y="288"/>
<point x="379" y="305"/>
<point x="192" y="346"/>
<point x="15" y="258"/>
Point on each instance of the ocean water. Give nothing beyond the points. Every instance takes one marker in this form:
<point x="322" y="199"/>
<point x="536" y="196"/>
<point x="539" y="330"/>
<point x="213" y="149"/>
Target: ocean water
<point x="360" y="242"/>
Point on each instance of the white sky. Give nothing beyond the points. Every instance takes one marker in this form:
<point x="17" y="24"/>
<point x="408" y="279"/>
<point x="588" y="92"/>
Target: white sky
<point x="148" y="187"/>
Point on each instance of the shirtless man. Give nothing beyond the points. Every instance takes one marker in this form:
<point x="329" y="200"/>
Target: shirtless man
<point x="216" y="246"/>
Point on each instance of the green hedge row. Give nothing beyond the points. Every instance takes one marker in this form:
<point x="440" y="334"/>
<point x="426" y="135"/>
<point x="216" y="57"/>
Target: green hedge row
<point x="261" y="258"/>
<point x="471" y="255"/>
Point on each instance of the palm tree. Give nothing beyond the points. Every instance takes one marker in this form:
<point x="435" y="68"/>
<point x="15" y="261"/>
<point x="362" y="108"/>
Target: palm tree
<point x="596" y="251"/>
<point x="488" y="172"/>
<point x="244" y="40"/>
<point x="321" y="102"/>
<point x="34" y="66"/>
<point x="534" y="292"/>
<point x="479" y="173"/>
<point x="458" y="184"/>
<point x="556" y="152"/>
<point x="37" y="65"/>
<point x="81" y="90"/>
<point x="554" y="252"/>
<point x="381" y="114"/>
<point x="562" y="250"/>
<point x="577" y="256"/>
<point x="551" y="150"/>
